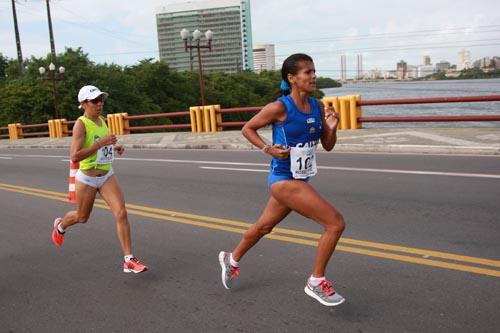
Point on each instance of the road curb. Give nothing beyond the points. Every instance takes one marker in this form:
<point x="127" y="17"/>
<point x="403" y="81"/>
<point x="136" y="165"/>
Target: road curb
<point x="352" y="148"/>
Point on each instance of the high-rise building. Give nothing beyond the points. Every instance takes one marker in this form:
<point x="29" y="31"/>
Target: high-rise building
<point x="230" y="22"/>
<point x="411" y="71"/>
<point x="263" y="57"/>
<point x="343" y="68"/>
<point x="442" y="66"/>
<point x="425" y="70"/>
<point x="359" y="63"/>
<point x="464" y="60"/>
<point x="426" y="60"/>
<point x="401" y="70"/>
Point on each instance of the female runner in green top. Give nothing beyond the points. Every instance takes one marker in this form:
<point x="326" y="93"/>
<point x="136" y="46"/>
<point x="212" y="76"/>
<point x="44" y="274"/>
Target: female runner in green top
<point x="93" y="146"/>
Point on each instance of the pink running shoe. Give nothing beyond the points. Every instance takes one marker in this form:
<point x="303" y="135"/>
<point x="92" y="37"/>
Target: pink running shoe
<point x="229" y="272"/>
<point x="57" y="237"/>
<point x="134" y="265"/>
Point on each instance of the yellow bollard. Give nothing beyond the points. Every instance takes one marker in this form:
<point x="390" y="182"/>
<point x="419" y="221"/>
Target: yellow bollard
<point x="213" y="119"/>
<point x="58" y="128"/>
<point x="199" y="119"/>
<point x="359" y="111"/>
<point x="206" y="118"/>
<point x="111" y="123"/>
<point x="64" y="127"/>
<point x="344" y="113"/>
<point x="118" y="124"/>
<point x="12" y="131"/>
<point x="125" y="123"/>
<point x="218" y="117"/>
<point x="19" y="130"/>
<point x="353" y="116"/>
<point x="52" y="130"/>
<point x="192" y="117"/>
<point x="15" y="131"/>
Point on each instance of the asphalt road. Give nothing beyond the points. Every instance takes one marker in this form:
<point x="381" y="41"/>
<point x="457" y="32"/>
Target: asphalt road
<point x="421" y="252"/>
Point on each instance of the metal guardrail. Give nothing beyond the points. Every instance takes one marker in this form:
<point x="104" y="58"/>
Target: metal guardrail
<point x="349" y="108"/>
<point x="130" y="129"/>
<point x="4" y="128"/>
<point x="432" y="100"/>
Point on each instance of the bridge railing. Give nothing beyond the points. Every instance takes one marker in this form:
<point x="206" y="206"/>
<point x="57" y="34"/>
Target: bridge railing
<point x="212" y="118"/>
<point x="432" y="100"/>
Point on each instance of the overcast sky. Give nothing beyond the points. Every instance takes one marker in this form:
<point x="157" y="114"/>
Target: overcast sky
<point x="384" y="32"/>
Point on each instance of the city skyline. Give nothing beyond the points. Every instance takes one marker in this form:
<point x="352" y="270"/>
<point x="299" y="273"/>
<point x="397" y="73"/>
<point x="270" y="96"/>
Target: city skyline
<point x="383" y="32"/>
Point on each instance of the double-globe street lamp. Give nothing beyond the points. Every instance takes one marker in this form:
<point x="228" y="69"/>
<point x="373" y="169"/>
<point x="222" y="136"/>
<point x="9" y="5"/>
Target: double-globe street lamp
<point x="53" y="77"/>
<point x="189" y="46"/>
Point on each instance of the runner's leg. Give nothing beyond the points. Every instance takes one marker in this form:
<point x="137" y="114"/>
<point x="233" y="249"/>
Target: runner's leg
<point x="85" y="197"/>
<point x="305" y="200"/>
<point x="273" y="213"/>
<point x="112" y="193"/>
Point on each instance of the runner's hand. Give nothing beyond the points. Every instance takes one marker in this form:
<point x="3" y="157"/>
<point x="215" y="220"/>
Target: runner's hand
<point x="331" y="117"/>
<point x="119" y="149"/>
<point x="108" y="140"/>
<point x="279" y="151"/>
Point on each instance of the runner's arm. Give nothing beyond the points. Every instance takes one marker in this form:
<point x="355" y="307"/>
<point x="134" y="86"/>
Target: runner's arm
<point x="77" y="153"/>
<point x="330" y="120"/>
<point x="271" y="113"/>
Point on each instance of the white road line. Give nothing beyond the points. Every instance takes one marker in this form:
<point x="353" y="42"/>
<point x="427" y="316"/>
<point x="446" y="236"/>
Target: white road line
<point x="397" y="171"/>
<point x="46" y="156"/>
<point x="416" y="172"/>
<point x="234" y="169"/>
<point x="5" y="158"/>
<point x="408" y="172"/>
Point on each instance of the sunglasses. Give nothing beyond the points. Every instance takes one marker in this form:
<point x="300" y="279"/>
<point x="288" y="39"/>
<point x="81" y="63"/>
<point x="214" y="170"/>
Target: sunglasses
<point x="96" y="100"/>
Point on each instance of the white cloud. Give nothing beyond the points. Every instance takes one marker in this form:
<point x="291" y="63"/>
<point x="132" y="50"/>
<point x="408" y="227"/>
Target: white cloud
<point x="323" y="28"/>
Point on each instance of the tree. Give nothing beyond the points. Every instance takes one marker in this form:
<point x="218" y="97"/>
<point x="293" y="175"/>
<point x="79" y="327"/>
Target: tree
<point x="3" y="66"/>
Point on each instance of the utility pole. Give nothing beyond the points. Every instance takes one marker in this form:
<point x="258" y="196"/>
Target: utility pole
<point x="20" y="66"/>
<point x="51" y="34"/>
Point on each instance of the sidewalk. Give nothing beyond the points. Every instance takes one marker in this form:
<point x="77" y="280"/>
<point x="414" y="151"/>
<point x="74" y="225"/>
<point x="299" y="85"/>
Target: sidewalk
<point x="473" y="141"/>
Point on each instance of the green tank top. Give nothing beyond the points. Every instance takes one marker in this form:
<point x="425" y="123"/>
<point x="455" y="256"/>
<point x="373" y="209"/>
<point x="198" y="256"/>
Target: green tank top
<point x="93" y="133"/>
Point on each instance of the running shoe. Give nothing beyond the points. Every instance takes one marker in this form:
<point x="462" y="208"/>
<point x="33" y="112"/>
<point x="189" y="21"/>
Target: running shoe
<point x="57" y="237"/>
<point x="324" y="293"/>
<point x="134" y="265"/>
<point x="229" y="272"/>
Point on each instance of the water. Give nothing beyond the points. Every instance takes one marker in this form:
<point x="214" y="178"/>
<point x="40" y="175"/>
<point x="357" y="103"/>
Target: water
<point x="422" y="89"/>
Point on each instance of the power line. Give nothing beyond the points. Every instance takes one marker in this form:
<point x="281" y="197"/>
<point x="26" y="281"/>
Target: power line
<point x="90" y="26"/>
<point x="402" y="34"/>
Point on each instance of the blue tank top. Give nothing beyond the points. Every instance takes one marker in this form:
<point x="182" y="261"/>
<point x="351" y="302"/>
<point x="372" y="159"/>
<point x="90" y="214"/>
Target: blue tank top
<point x="299" y="129"/>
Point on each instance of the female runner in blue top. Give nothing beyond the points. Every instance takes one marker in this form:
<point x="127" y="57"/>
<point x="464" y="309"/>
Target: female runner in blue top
<point x="299" y="122"/>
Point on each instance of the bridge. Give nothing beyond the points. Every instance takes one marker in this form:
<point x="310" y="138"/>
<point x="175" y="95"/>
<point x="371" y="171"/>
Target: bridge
<point x="421" y="251"/>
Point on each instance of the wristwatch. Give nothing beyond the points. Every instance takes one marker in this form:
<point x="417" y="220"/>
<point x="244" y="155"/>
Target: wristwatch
<point x="266" y="148"/>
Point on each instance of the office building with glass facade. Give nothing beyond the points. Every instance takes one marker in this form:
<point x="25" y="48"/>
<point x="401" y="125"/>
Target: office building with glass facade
<point x="230" y="22"/>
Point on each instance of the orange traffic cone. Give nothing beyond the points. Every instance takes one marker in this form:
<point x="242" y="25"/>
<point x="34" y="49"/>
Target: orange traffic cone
<point x="73" y="168"/>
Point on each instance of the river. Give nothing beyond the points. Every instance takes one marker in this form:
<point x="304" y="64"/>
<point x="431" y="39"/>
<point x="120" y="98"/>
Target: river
<point x="421" y="89"/>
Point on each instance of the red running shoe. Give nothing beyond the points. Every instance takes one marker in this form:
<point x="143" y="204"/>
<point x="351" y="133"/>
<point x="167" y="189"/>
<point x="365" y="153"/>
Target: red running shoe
<point x="134" y="265"/>
<point x="57" y="237"/>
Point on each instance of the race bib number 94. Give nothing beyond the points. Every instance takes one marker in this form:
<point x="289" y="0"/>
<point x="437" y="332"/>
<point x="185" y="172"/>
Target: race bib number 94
<point x="105" y="155"/>
<point x="303" y="162"/>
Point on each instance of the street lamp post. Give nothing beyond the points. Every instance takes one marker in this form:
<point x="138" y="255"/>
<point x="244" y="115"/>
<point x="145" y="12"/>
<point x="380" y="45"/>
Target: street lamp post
<point x="189" y="46"/>
<point x="53" y="77"/>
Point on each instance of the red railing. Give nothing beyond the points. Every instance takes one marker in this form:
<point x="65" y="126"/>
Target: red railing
<point x="156" y="127"/>
<point x="255" y="109"/>
<point x="250" y="109"/>
<point x="4" y="128"/>
<point x="432" y="100"/>
<point x="35" y="134"/>
<point x="453" y="99"/>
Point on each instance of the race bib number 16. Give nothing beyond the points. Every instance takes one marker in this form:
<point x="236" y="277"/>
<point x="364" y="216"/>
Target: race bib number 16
<point x="303" y="162"/>
<point x="105" y="155"/>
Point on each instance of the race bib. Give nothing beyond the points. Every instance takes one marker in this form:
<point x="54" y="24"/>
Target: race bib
<point x="303" y="162"/>
<point x="105" y="155"/>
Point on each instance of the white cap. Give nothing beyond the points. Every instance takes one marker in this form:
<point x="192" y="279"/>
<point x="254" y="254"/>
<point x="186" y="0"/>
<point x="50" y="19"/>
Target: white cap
<point x="90" y="92"/>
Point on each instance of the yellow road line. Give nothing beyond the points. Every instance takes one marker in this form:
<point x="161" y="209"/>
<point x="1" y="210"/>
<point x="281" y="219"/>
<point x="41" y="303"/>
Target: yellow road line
<point x="240" y="227"/>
